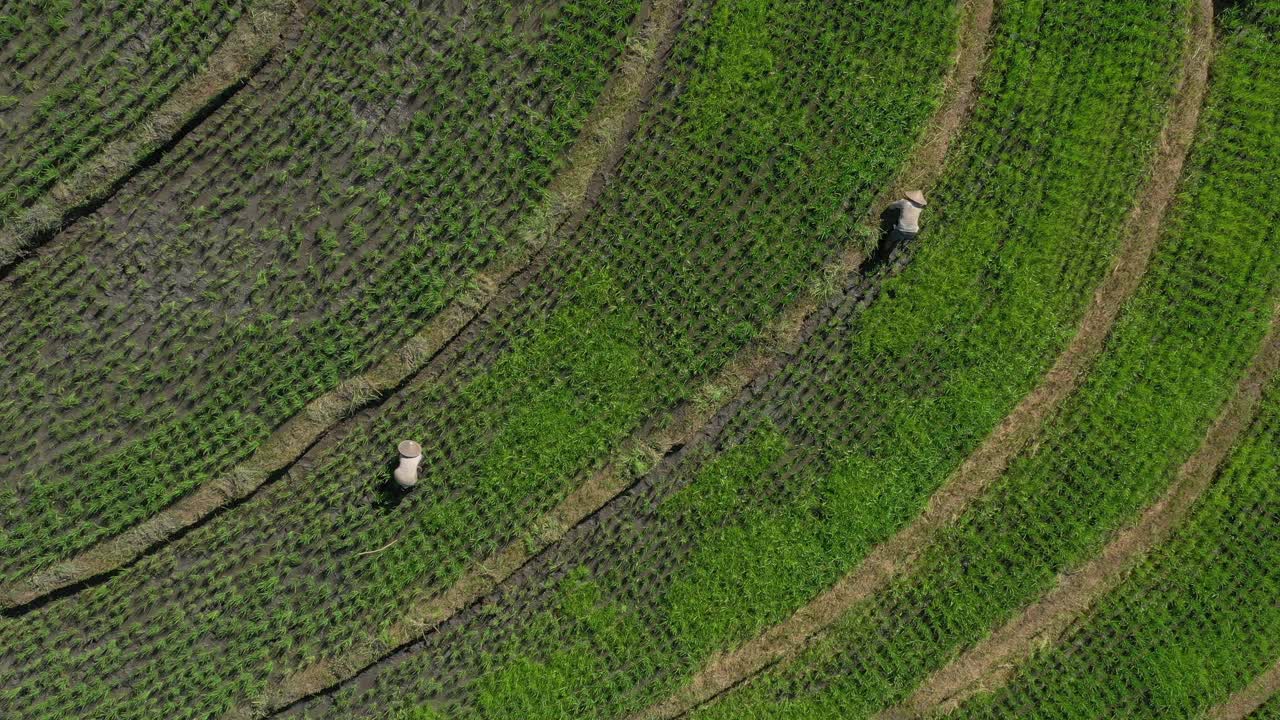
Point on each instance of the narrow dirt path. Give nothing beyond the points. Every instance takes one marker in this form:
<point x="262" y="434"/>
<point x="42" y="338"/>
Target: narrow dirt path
<point x="256" y="34"/>
<point x="989" y="461"/>
<point x="992" y="662"/>
<point x="960" y="91"/>
<point x="685" y="423"/>
<point x="1248" y="699"/>
<point x="598" y="149"/>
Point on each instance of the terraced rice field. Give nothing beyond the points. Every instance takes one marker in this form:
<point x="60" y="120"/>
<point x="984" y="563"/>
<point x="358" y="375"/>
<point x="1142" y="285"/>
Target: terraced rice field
<point x="700" y="437"/>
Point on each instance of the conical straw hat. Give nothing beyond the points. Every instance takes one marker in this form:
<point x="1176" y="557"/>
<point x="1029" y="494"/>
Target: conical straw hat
<point x="916" y="197"/>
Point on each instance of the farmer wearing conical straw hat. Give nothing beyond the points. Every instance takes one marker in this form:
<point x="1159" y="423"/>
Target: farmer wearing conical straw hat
<point x="908" y="226"/>
<point x="406" y="473"/>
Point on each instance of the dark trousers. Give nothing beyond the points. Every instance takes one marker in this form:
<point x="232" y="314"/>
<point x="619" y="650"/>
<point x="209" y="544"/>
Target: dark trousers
<point x="899" y="238"/>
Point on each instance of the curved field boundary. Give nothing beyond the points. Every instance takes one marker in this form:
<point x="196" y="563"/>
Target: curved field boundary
<point x="680" y="427"/>
<point x="924" y="166"/>
<point x="991" y="663"/>
<point x="256" y="34"/>
<point x="989" y="461"/>
<point x="598" y="148"/>
<point x="692" y="419"/>
<point x="1248" y="699"/>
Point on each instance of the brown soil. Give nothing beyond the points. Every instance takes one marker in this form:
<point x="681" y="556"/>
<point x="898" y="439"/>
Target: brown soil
<point x="989" y="461"/>
<point x="1248" y="699"/>
<point x="598" y="149"/>
<point x="255" y="35"/>
<point x="990" y="663"/>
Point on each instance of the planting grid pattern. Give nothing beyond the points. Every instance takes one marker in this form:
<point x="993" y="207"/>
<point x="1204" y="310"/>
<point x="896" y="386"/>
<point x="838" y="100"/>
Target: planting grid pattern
<point x="391" y="150"/>
<point x="80" y="74"/>
<point x="1170" y="364"/>
<point x="309" y="227"/>
<point x="1200" y="618"/>
<point x="615" y="324"/>
<point x="1197" y="620"/>
<point x="832" y="454"/>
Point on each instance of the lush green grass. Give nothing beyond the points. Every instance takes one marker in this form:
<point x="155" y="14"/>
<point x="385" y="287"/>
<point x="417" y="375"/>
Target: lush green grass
<point x="311" y="228"/>
<point x="847" y="443"/>
<point x="624" y="319"/>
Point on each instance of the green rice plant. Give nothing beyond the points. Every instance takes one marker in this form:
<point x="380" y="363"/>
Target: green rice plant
<point x="1269" y="711"/>
<point x="84" y="81"/>
<point x="1194" y="622"/>
<point x="623" y="319"/>
<point x="1170" y="364"/>
<point x="328" y="333"/>
<point x="847" y="442"/>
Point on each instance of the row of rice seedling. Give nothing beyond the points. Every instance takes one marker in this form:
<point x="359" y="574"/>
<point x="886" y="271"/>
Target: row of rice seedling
<point x="1195" y="622"/>
<point x="85" y="73"/>
<point x="619" y="321"/>
<point x="1198" y="620"/>
<point x="846" y="443"/>
<point x="305" y="231"/>
<point x="1169" y="366"/>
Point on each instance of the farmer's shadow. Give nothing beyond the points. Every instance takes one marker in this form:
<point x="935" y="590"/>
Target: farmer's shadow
<point x="388" y="495"/>
<point x="884" y="240"/>
<point x="1221" y="6"/>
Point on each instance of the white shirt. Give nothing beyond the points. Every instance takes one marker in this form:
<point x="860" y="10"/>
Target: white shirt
<point x="909" y="218"/>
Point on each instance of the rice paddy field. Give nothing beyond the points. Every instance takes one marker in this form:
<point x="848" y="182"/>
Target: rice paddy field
<point x="699" y="433"/>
